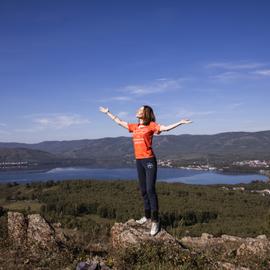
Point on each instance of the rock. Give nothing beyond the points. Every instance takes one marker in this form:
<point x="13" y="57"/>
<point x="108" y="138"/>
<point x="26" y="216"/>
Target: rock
<point x="262" y="236"/>
<point x="132" y="233"/>
<point x="206" y="236"/>
<point x="231" y="238"/>
<point x="199" y="243"/>
<point x="34" y="231"/>
<point x="230" y="266"/>
<point x="17" y="228"/>
<point x="254" y="246"/>
<point x="94" y="264"/>
<point x="83" y="266"/>
<point x="228" y="246"/>
<point x="40" y="232"/>
<point x="103" y="266"/>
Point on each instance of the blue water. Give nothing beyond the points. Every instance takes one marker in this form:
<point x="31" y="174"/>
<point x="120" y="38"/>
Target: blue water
<point x="164" y="174"/>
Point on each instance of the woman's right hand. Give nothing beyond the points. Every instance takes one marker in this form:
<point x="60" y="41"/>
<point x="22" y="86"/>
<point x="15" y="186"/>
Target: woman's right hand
<point x="104" y="110"/>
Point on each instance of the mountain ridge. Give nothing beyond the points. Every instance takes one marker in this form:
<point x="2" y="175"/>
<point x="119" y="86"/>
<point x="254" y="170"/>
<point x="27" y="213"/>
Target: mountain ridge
<point x="228" y="146"/>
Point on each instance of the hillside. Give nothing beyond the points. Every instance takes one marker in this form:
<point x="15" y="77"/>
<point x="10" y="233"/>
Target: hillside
<point x="229" y="146"/>
<point x="22" y="154"/>
<point x="217" y="227"/>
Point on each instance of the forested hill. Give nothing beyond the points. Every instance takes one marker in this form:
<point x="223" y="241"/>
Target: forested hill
<point x="24" y="154"/>
<point x="222" y="146"/>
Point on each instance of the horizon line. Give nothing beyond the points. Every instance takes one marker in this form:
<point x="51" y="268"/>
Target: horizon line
<point x="184" y="134"/>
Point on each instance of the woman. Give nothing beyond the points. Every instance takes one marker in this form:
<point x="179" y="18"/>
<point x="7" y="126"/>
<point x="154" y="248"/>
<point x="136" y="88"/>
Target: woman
<point x="146" y="162"/>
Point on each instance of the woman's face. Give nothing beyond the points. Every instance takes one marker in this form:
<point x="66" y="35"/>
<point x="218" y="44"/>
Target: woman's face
<point x="139" y="113"/>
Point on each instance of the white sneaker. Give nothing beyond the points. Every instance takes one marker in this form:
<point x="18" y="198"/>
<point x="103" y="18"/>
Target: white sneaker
<point x="142" y="220"/>
<point x="154" y="228"/>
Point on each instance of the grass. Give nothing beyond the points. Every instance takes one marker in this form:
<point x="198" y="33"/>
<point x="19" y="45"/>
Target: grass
<point x="23" y="205"/>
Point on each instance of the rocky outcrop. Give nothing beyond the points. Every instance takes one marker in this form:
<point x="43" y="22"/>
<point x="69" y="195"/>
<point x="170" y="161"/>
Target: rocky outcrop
<point x="132" y="233"/>
<point x="33" y="242"/>
<point x="34" y="231"/>
<point x="17" y="228"/>
<point x="225" y="252"/>
<point x="259" y="246"/>
<point x="232" y="252"/>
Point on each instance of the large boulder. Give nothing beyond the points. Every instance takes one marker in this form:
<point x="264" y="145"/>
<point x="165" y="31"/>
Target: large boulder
<point x="40" y="232"/>
<point x="34" y="231"/>
<point x="259" y="246"/>
<point x="17" y="228"/>
<point x="133" y="245"/>
<point x="131" y="233"/>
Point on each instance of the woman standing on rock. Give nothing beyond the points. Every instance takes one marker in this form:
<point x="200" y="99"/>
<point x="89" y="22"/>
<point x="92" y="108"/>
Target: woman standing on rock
<point x="146" y="162"/>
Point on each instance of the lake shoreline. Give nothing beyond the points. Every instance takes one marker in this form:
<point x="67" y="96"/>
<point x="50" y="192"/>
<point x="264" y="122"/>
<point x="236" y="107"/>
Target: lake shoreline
<point x="169" y="175"/>
<point x="50" y="167"/>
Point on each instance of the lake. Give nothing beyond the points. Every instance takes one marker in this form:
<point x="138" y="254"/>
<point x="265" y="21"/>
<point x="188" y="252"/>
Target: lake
<point x="164" y="174"/>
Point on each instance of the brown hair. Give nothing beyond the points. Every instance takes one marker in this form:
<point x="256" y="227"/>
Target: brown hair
<point x="148" y="115"/>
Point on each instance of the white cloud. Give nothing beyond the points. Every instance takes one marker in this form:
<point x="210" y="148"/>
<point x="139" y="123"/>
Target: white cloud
<point x="52" y="121"/>
<point x="227" y="71"/>
<point x="122" y="114"/>
<point x="60" y="121"/>
<point x="132" y="92"/>
<point x="235" y="105"/>
<point x="121" y="98"/>
<point x="264" y="72"/>
<point x="187" y="113"/>
<point x="177" y="115"/>
<point x="157" y="86"/>
<point x="3" y="124"/>
<point x="235" y="66"/>
<point x="162" y="79"/>
<point x="116" y="98"/>
<point x="127" y="116"/>
<point x="227" y="76"/>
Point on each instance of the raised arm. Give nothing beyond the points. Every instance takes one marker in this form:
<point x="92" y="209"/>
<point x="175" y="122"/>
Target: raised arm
<point x="172" y="126"/>
<point x="114" y="117"/>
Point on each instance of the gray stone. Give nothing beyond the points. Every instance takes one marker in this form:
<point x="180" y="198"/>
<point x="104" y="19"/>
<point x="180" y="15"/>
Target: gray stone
<point x="34" y="231"/>
<point x="262" y="236"/>
<point x="132" y="233"/>
<point x="206" y="236"/>
<point x="40" y="232"/>
<point x="17" y="228"/>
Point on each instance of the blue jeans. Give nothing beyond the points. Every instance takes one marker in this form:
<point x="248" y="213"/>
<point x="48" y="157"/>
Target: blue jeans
<point x="147" y="174"/>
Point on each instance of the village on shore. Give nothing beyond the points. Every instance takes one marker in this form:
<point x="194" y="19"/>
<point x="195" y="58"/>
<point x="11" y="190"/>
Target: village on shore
<point x="260" y="164"/>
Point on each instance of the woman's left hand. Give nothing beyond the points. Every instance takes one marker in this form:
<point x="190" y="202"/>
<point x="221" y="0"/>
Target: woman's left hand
<point x="185" y="121"/>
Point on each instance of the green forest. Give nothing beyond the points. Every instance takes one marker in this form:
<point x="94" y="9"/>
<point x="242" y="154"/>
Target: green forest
<point x="93" y="206"/>
<point x="87" y="209"/>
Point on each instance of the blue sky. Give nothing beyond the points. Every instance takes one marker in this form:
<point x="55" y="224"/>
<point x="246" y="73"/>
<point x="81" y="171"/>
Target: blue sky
<point x="208" y="61"/>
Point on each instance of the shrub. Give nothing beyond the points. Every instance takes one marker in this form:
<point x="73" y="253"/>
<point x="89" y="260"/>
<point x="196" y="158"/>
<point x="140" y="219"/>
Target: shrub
<point x="149" y="255"/>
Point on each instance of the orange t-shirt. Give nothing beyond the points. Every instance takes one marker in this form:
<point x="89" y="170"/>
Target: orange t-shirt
<point x="142" y="138"/>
